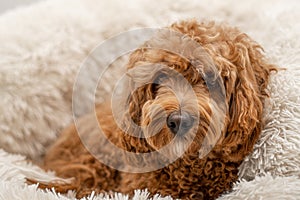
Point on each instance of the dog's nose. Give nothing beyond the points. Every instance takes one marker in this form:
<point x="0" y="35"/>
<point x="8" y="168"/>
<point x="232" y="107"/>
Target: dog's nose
<point x="179" y="122"/>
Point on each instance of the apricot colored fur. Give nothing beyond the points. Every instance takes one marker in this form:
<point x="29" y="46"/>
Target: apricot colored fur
<point x="245" y="72"/>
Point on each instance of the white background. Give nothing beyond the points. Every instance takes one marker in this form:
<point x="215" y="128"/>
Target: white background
<point x="6" y="5"/>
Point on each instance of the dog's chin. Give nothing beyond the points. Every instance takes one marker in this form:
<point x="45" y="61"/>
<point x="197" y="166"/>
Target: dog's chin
<point x="172" y="145"/>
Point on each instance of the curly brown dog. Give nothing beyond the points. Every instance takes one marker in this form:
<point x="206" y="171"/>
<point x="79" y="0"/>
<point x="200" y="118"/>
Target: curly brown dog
<point x="211" y="128"/>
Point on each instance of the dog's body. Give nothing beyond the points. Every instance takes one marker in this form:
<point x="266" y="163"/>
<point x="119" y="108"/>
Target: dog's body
<point x="244" y="72"/>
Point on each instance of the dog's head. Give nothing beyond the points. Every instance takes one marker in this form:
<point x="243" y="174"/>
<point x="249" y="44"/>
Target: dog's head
<point x="196" y="88"/>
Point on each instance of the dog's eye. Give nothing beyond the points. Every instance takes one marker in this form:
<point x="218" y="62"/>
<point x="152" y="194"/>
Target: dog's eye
<point x="160" y="78"/>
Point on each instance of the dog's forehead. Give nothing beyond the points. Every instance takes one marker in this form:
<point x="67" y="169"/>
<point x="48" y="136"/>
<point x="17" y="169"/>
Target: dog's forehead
<point x="184" y="47"/>
<point x="176" y="43"/>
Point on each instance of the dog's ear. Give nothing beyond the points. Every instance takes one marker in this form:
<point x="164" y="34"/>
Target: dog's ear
<point x="245" y="84"/>
<point x="137" y="100"/>
<point x="140" y="89"/>
<point x="133" y="139"/>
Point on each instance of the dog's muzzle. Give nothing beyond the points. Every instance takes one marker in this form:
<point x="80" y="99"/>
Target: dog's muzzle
<point x="180" y="122"/>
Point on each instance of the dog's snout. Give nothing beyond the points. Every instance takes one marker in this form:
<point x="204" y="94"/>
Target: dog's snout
<point x="179" y="122"/>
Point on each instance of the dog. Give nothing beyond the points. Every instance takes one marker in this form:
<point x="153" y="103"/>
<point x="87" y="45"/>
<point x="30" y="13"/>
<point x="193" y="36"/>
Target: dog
<point x="195" y="104"/>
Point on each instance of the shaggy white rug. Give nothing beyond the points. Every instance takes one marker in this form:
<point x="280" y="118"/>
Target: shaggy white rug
<point x="42" y="47"/>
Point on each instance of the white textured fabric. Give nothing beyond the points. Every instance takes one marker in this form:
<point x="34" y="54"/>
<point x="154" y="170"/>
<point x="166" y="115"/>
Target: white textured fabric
<point x="43" y="46"/>
<point x="266" y="187"/>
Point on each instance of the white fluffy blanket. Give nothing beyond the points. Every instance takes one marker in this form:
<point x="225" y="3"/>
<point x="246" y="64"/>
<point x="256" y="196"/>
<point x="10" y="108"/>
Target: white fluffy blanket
<point x="42" y="47"/>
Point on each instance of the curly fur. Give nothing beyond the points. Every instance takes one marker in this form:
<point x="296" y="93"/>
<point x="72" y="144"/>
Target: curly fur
<point x="245" y="73"/>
